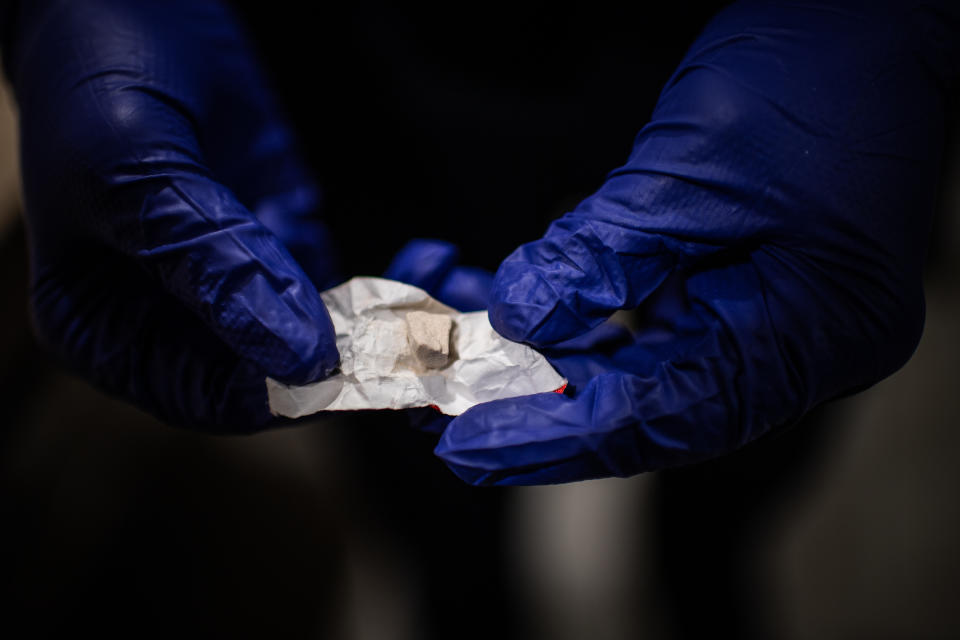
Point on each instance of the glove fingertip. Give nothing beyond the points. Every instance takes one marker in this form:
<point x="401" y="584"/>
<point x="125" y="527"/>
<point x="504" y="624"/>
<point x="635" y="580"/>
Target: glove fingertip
<point x="466" y="289"/>
<point x="272" y="315"/>
<point x="525" y="307"/>
<point x="470" y="475"/>
<point x="423" y="262"/>
<point x="306" y="354"/>
<point x="461" y="467"/>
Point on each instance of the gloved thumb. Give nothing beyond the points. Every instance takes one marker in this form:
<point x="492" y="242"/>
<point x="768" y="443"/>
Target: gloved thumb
<point x="573" y="278"/>
<point x="432" y="265"/>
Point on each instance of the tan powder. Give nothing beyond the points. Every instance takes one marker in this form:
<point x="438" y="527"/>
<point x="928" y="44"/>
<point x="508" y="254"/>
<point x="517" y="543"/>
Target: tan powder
<point x="429" y="337"/>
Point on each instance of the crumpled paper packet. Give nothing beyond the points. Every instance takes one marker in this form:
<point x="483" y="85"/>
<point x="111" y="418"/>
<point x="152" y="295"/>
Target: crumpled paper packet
<point x="378" y="369"/>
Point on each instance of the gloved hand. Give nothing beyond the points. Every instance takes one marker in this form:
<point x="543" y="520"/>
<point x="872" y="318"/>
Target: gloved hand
<point x="164" y="199"/>
<point x="769" y="228"/>
<point x="432" y="265"/>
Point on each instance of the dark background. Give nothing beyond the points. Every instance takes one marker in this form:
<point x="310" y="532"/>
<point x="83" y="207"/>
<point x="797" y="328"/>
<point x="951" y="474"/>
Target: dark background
<point x="478" y="125"/>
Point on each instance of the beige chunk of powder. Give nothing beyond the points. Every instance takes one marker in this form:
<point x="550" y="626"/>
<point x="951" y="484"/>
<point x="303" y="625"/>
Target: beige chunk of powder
<point x="429" y="337"/>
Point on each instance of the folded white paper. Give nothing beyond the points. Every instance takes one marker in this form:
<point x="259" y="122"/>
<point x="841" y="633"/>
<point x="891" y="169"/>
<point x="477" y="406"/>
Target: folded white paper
<point x="383" y="356"/>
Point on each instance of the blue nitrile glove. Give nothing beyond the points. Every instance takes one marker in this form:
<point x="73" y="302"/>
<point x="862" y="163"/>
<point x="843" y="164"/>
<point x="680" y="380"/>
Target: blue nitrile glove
<point x="432" y="266"/>
<point x="769" y="228"/>
<point x="163" y="199"/>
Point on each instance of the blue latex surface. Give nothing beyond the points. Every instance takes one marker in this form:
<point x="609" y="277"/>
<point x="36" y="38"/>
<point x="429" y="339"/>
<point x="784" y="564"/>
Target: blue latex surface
<point x="433" y="266"/>
<point x="166" y="206"/>
<point x="769" y="229"/>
